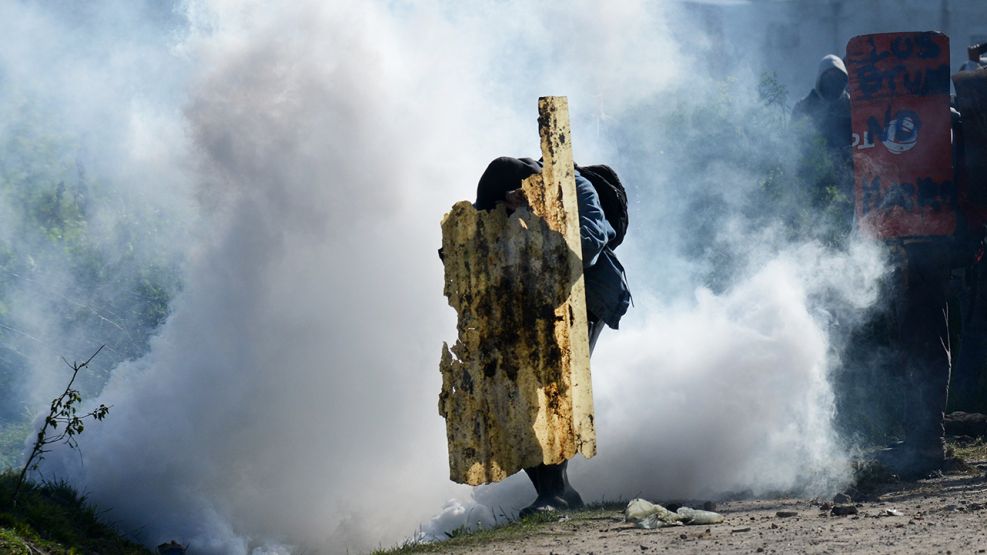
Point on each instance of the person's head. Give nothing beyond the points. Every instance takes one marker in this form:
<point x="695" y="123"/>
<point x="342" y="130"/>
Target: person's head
<point x="832" y="83"/>
<point x="502" y="175"/>
<point x="831" y="79"/>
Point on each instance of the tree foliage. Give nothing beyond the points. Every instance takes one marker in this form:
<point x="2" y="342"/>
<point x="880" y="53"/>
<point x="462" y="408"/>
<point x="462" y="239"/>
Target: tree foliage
<point x="77" y="264"/>
<point x="62" y="425"/>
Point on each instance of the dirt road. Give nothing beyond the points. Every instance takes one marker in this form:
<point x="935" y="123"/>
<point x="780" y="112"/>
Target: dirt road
<point x="946" y="515"/>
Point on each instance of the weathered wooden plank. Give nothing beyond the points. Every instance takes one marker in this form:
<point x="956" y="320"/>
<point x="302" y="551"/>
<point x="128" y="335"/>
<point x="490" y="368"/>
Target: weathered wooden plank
<point x="516" y="388"/>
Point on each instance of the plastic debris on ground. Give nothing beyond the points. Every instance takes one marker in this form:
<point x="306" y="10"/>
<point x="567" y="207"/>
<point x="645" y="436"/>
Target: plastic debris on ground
<point x="647" y="515"/>
<point x="696" y="516"/>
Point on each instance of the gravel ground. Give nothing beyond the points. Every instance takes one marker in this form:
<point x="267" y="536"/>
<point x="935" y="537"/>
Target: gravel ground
<point x="946" y="514"/>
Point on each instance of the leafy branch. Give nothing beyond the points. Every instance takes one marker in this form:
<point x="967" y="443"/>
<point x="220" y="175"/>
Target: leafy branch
<point x="63" y="423"/>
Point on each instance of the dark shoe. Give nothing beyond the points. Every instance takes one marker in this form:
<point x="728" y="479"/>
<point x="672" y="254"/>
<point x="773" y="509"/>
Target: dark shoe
<point x="570" y="494"/>
<point x="552" y="487"/>
<point x="544" y="505"/>
<point x="572" y="498"/>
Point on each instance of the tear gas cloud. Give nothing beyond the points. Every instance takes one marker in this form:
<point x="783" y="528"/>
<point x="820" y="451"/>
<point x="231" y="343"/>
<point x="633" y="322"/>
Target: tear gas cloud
<point x="290" y="397"/>
<point x="92" y="142"/>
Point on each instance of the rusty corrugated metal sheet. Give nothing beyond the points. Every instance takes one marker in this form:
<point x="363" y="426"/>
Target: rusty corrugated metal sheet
<point x="902" y="158"/>
<point x="516" y="389"/>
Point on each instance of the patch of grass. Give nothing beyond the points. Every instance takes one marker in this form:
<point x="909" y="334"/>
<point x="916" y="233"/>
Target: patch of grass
<point x="970" y="451"/>
<point x="53" y="518"/>
<point x="515" y="530"/>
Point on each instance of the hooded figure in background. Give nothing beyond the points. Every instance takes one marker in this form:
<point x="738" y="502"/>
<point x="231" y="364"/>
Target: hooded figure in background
<point x="827" y="106"/>
<point x="824" y="116"/>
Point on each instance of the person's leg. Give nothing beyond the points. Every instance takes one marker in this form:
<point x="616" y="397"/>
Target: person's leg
<point x="552" y="488"/>
<point x="969" y="361"/>
<point x="571" y="496"/>
<point x="922" y="334"/>
<point x="549" y="483"/>
<point x="595" y="329"/>
<point x="569" y="493"/>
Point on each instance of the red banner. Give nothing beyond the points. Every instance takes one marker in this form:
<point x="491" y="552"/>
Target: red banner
<point x="902" y="157"/>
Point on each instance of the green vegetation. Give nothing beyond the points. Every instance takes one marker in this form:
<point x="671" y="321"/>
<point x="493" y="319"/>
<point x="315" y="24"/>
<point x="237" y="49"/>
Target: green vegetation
<point x="972" y="451"/>
<point x="81" y="263"/>
<point x="80" y="266"/>
<point x="53" y="518"/>
<point x="65" y="413"/>
<point x="465" y="539"/>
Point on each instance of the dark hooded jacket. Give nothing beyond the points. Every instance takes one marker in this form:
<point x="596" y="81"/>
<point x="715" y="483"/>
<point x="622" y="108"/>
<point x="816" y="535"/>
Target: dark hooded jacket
<point x="829" y="118"/>
<point x="825" y="123"/>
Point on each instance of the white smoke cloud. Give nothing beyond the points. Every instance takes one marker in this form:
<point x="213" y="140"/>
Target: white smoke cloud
<point x="89" y="99"/>
<point x="736" y="392"/>
<point x="290" y="399"/>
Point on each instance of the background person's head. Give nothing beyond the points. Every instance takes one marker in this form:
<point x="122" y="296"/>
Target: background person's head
<point x="832" y="83"/>
<point x="832" y="78"/>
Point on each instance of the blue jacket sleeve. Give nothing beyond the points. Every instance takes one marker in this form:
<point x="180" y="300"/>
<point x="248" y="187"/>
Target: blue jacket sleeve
<point x="594" y="229"/>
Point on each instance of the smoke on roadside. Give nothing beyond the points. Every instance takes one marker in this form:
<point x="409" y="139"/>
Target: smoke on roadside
<point x="289" y="400"/>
